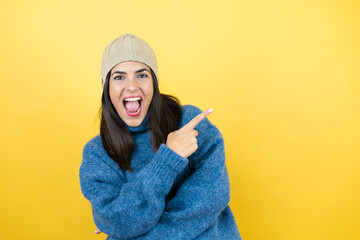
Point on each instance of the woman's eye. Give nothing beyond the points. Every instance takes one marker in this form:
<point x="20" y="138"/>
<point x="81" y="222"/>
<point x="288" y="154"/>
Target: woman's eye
<point x="119" y="77"/>
<point x="143" y="76"/>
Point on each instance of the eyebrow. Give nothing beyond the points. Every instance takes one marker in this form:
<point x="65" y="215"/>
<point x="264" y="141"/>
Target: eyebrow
<point x="137" y="71"/>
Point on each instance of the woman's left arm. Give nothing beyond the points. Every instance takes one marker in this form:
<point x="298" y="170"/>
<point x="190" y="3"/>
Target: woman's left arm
<point x="203" y="196"/>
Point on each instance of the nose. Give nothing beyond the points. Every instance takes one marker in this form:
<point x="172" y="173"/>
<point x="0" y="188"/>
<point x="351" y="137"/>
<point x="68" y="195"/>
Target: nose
<point x="131" y="84"/>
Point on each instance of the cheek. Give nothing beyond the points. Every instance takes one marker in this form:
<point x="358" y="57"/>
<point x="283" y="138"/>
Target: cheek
<point x="150" y="88"/>
<point x="114" y="93"/>
<point x="111" y="93"/>
<point x="150" y="92"/>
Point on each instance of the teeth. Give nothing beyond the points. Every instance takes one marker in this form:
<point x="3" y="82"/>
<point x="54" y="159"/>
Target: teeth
<point x="132" y="99"/>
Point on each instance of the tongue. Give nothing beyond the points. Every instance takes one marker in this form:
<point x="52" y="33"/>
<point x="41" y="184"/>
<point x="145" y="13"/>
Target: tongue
<point x="132" y="106"/>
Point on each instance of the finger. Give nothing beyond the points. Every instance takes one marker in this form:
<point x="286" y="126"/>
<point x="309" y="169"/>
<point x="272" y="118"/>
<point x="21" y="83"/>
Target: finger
<point x="196" y="120"/>
<point x="196" y="133"/>
<point x="97" y="231"/>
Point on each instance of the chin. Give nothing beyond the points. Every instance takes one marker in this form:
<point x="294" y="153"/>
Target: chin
<point x="133" y="121"/>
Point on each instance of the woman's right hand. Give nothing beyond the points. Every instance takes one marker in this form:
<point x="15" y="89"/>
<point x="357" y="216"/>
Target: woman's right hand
<point x="183" y="141"/>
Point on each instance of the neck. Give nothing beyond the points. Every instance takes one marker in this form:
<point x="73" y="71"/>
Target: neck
<point x="142" y="127"/>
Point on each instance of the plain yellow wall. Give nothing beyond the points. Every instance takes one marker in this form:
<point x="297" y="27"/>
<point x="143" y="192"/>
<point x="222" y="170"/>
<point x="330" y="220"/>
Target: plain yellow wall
<point x="283" y="78"/>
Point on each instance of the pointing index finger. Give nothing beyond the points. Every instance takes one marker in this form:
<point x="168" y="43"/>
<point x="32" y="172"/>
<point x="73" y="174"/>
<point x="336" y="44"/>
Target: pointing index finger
<point x="196" y="120"/>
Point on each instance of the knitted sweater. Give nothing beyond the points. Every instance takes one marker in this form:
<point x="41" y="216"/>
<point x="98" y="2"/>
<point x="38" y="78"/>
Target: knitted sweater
<point x="166" y="196"/>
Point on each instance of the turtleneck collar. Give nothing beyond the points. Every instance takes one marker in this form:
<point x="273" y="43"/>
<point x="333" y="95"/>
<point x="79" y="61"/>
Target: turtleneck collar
<point x="142" y="127"/>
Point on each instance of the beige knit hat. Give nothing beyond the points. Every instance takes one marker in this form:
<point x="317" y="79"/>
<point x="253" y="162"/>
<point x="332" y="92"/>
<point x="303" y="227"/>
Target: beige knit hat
<point x="127" y="47"/>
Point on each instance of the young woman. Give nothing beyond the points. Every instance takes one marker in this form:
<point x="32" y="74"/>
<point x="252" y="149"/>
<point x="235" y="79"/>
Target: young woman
<point x="157" y="169"/>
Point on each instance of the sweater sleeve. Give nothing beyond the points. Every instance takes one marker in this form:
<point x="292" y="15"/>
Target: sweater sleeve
<point x="128" y="209"/>
<point x="203" y="196"/>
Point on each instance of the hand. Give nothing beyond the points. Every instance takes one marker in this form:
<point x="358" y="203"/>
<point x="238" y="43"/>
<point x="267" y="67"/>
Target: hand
<point x="183" y="141"/>
<point x="97" y="231"/>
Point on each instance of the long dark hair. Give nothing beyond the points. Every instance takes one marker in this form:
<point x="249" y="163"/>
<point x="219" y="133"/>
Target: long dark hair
<point x="165" y="115"/>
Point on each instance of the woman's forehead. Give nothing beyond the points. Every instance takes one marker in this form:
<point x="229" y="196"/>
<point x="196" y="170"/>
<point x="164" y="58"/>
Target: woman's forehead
<point x="129" y="66"/>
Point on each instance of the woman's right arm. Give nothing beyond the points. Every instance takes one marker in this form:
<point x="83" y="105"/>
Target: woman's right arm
<point x="128" y="209"/>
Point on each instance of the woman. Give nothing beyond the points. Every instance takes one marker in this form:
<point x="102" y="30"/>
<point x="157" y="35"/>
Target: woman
<point x="157" y="170"/>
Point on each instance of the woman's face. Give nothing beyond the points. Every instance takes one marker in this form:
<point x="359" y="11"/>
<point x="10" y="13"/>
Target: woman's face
<point x="131" y="91"/>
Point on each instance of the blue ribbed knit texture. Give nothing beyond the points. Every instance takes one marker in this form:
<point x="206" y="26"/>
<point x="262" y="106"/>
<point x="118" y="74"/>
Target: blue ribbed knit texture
<point x="166" y="196"/>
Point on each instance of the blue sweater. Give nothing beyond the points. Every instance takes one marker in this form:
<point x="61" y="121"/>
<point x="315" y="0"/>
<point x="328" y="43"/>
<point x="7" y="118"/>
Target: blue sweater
<point x="166" y="196"/>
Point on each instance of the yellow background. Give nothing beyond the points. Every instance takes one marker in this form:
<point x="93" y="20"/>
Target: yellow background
<point x="283" y="78"/>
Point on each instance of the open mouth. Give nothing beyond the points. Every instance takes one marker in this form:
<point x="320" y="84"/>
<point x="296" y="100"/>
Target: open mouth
<point x="133" y="105"/>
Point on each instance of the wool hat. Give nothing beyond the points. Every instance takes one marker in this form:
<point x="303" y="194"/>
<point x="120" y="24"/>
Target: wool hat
<point x="127" y="47"/>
